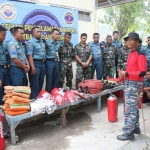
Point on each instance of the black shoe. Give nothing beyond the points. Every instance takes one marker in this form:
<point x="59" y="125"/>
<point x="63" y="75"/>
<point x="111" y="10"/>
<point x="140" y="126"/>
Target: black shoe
<point x="137" y="131"/>
<point x="125" y="137"/>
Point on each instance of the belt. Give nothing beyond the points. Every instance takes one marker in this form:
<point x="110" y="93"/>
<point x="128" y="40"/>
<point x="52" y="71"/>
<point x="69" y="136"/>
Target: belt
<point x="3" y="66"/>
<point x="53" y="59"/>
<point x="96" y="58"/>
<point x="40" y="60"/>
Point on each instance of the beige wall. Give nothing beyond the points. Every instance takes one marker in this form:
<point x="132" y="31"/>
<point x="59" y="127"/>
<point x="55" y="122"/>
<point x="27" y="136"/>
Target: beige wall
<point x="84" y="27"/>
<point x="80" y="4"/>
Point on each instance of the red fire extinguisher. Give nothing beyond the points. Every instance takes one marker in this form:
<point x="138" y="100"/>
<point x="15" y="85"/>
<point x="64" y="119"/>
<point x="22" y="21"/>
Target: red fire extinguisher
<point x="2" y="140"/>
<point x="112" y="108"/>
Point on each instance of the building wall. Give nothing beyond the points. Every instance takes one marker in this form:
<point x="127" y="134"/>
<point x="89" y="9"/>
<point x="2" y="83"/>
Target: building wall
<point x="87" y="27"/>
<point x="83" y="26"/>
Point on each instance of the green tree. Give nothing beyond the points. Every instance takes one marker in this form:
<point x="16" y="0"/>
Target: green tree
<point x="146" y="24"/>
<point x="124" y="18"/>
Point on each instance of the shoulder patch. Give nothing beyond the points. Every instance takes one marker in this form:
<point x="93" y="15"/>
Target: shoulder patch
<point x="13" y="53"/>
<point x="12" y="46"/>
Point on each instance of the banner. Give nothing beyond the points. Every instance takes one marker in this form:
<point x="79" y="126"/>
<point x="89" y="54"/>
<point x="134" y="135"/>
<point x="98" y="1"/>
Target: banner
<point x="27" y="15"/>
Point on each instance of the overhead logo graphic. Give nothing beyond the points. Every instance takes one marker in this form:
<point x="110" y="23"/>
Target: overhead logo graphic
<point x="69" y="18"/>
<point x="42" y="18"/>
<point x="8" y="11"/>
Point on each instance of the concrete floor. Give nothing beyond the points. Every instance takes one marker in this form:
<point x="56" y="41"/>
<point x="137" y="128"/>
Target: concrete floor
<point x="86" y="130"/>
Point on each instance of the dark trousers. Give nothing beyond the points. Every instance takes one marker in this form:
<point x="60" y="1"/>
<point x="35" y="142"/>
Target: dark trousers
<point x="116" y="64"/>
<point x="52" y="75"/>
<point x="17" y="76"/>
<point x="97" y="65"/>
<point x="37" y="80"/>
<point x="5" y="81"/>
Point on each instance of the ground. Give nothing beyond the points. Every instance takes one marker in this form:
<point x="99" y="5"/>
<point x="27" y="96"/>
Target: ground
<point x="86" y="130"/>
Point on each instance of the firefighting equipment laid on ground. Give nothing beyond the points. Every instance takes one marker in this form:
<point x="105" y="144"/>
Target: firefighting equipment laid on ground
<point x="42" y="105"/>
<point x="16" y="100"/>
<point x="2" y="140"/>
<point x="112" y="107"/>
<point x="91" y="86"/>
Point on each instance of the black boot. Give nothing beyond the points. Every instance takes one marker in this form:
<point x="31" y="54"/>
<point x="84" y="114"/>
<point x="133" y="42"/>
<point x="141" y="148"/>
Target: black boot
<point x="137" y="131"/>
<point x="125" y="137"/>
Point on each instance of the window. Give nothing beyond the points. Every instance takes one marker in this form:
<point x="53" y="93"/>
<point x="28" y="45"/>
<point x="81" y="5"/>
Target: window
<point x="84" y="16"/>
<point x="107" y="3"/>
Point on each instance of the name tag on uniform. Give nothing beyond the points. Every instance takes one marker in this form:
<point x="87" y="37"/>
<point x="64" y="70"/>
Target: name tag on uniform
<point x="57" y="54"/>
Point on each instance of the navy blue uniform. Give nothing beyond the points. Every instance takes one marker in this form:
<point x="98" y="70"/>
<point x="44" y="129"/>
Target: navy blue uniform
<point x="146" y="51"/>
<point x="17" y="74"/>
<point x="3" y="69"/>
<point x="52" y="65"/>
<point x="36" y="48"/>
<point x="96" y="59"/>
<point x="118" y="45"/>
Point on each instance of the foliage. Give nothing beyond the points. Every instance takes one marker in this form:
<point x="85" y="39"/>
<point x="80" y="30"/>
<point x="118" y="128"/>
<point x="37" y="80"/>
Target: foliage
<point x="126" y="17"/>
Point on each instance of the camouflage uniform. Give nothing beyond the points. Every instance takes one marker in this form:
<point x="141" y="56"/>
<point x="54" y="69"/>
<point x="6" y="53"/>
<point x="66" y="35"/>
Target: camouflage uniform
<point x="122" y="58"/>
<point x="109" y="61"/>
<point x="83" y="53"/>
<point x="133" y="90"/>
<point x="65" y="66"/>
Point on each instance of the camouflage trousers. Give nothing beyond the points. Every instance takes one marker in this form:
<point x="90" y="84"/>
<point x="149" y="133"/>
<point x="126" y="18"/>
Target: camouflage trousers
<point x="133" y="90"/>
<point x="109" y="71"/>
<point x="82" y="73"/>
<point x="65" y="70"/>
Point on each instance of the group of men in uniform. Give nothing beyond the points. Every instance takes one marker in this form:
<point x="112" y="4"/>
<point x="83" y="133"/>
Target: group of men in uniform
<point x="53" y="58"/>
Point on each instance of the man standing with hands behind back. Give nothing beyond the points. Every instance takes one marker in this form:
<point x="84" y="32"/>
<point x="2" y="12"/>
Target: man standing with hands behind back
<point x="134" y="76"/>
<point x="83" y="56"/>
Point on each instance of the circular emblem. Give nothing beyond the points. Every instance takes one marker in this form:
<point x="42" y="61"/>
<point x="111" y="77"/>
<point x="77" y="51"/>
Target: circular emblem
<point x="69" y="18"/>
<point x="42" y="18"/>
<point x="8" y="11"/>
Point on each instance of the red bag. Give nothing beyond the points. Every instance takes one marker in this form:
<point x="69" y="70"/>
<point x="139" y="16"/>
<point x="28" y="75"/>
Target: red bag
<point x="55" y="90"/>
<point x="44" y="94"/>
<point x="70" y="96"/>
<point x="59" y="99"/>
<point x="94" y="86"/>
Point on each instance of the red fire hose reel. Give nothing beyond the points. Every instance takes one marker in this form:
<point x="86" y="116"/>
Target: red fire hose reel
<point x="91" y="86"/>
